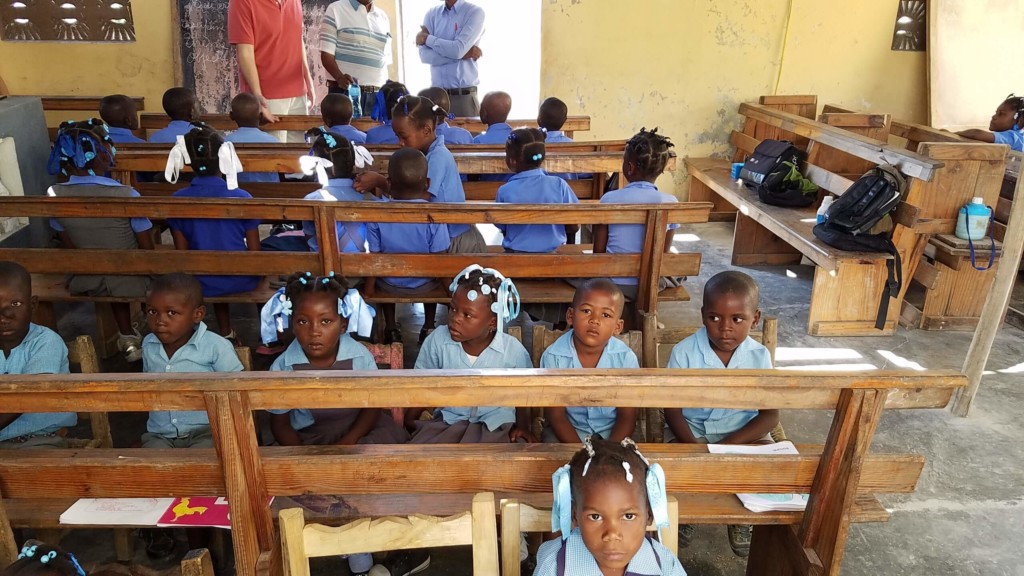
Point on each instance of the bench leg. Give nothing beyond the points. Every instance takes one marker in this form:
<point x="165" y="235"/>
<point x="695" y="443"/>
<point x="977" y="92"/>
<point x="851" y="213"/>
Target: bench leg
<point x="775" y="550"/>
<point x="8" y="546"/>
<point x="722" y="211"/>
<point x="755" y="245"/>
<point x="124" y="544"/>
<point x="845" y="303"/>
<point x="106" y="331"/>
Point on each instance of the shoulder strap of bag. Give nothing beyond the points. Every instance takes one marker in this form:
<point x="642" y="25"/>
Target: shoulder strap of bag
<point x="892" y="285"/>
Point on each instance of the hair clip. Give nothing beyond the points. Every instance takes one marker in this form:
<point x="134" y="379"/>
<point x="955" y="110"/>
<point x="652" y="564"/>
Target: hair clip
<point x="485" y="288"/>
<point x="435" y="108"/>
<point x="78" y="567"/>
<point x="543" y="130"/>
<point x="561" y="504"/>
<point x="450" y="116"/>
<point x="629" y="475"/>
<point x="537" y="157"/>
<point x="513" y="137"/>
<point x="28" y="551"/>
<point x="303" y="281"/>
<point x="472" y="295"/>
<point x="588" y="445"/>
<point x="45" y="558"/>
<point x="331" y="275"/>
<point x="308" y="274"/>
<point x="325" y="281"/>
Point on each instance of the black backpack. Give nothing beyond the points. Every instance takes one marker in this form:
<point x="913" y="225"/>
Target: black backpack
<point x="860" y="221"/>
<point x="768" y="172"/>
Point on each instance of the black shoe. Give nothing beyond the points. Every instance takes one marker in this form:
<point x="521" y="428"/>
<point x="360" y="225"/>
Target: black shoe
<point x="739" y="539"/>
<point x="159" y="544"/>
<point x="392" y="336"/>
<point x="686" y="534"/>
<point x="407" y="562"/>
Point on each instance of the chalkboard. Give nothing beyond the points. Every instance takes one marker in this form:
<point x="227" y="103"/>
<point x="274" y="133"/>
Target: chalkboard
<point x="208" y="62"/>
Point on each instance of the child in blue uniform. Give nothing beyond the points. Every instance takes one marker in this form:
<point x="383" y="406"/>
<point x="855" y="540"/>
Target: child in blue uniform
<point x="483" y="302"/>
<point x="83" y="151"/>
<point x="453" y="135"/>
<point x="180" y="106"/>
<point x="245" y="112"/>
<point x="1005" y="127"/>
<point x="550" y="118"/>
<point x="389" y="95"/>
<point x="604" y="499"/>
<point x="407" y="182"/>
<point x="336" y="180"/>
<point x="26" y="348"/>
<point x="494" y="111"/>
<point x="643" y="162"/>
<point x="202" y="146"/>
<point x="524" y="155"/>
<point x="336" y="112"/>
<point x="594" y="319"/>
<point x="122" y="118"/>
<point x="729" y="311"/>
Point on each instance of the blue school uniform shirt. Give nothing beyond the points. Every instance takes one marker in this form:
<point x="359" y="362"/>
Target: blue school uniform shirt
<point x="534" y="187"/>
<point x="629" y="238"/>
<point x="562" y="354"/>
<point x="354" y="135"/>
<point x="445" y="184"/>
<point x="250" y="135"/>
<point x="383" y="134"/>
<point x="696" y="352"/>
<point x="559" y="137"/>
<point x="570" y="557"/>
<point x="216" y="233"/>
<point x="495" y="134"/>
<point x="1013" y="138"/>
<point x="137" y="224"/>
<point x="123" y="136"/>
<point x="454" y="135"/>
<point x="348" y="349"/>
<point x="440" y="352"/>
<point x="170" y="134"/>
<point x="407" y="238"/>
<point x="453" y="31"/>
<point x="204" y="352"/>
<point x="41" y="352"/>
<point x="351" y="235"/>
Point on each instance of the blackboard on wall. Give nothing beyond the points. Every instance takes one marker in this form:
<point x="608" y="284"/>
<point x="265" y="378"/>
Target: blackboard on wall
<point x="208" y="63"/>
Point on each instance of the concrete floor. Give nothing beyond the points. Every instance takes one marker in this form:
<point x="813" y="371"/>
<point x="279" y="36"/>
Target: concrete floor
<point x="968" y="511"/>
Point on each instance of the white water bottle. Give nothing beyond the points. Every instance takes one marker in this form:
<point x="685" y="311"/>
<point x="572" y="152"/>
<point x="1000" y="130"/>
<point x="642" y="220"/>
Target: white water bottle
<point x="822" y="214"/>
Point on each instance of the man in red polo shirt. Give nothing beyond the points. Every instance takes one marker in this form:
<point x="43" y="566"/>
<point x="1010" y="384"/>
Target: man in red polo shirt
<point x="268" y="40"/>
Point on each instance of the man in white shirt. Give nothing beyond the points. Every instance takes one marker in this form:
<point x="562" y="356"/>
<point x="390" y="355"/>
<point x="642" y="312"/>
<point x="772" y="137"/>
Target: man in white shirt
<point x="355" y="48"/>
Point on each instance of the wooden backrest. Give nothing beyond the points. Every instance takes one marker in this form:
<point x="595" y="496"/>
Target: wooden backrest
<point x="197" y="562"/>
<point x="805" y="106"/>
<point x="244" y="354"/>
<point x="476" y="527"/>
<point x="8" y="547"/>
<point x="517" y="517"/>
<point x="875" y="126"/>
<point x="767" y="335"/>
<point x="387" y="356"/>
<point x="83" y="359"/>
<point x="543" y="337"/>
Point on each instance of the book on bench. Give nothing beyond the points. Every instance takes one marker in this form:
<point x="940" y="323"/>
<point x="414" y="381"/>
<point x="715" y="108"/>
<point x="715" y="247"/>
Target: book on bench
<point x="765" y="502"/>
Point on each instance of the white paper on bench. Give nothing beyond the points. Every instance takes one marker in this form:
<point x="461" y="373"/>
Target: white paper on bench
<point x="116" y="511"/>
<point x="765" y="502"/>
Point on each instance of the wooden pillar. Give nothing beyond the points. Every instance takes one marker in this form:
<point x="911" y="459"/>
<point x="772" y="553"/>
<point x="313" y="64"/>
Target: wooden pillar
<point x="650" y="261"/>
<point x="8" y="547"/>
<point x="252" y="529"/>
<point x="775" y="550"/>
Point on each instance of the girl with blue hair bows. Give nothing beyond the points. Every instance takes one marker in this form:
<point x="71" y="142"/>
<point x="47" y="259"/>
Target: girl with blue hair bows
<point x="611" y="494"/>
<point x="39" y="559"/>
<point x="483" y="302"/>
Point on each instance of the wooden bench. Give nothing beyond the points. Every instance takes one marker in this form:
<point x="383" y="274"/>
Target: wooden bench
<point x="945" y="288"/>
<point x="223" y="122"/>
<point x="847" y="285"/>
<point x="542" y="274"/>
<point x="841" y="476"/>
<point x="88" y="106"/>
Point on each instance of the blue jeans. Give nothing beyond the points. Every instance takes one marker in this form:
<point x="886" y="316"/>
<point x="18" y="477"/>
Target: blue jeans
<point x="362" y="106"/>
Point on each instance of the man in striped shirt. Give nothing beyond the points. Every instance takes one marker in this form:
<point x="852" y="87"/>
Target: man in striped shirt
<point x="355" y="48"/>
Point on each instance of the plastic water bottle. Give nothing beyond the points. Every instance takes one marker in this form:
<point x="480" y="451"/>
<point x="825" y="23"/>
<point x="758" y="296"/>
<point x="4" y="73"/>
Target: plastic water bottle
<point x="822" y="214"/>
<point x="973" y="219"/>
<point x="356" y="95"/>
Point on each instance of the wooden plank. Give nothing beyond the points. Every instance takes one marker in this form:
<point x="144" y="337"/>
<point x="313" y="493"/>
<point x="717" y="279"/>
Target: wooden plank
<point x="485" y="535"/>
<point x="154" y="121"/>
<point x="510" y="524"/>
<point x="8" y="546"/>
<point x="755" y="245"/>
<point x="389" y="533"/>
<point x="83" y="104"/>
<point x="142" y="262"/>
<point x="927" y="275"/>
<point x="197" y="563"/>
<point x="293" y="543"/>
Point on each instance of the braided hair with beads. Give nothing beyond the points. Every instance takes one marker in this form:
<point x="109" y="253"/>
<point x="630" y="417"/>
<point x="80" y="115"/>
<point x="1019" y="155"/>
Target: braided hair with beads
<point x="526" y="147"/>
<point x="302" y="284"/>
<point x="422" y="111"/>
<point x="203" y="144"/>
<point x="1017" y="104"/>
<point x="649" y="152"/>
<point x="334" y="147"/>
<point x="81" y="146"/>
<point x="37" y="559"/>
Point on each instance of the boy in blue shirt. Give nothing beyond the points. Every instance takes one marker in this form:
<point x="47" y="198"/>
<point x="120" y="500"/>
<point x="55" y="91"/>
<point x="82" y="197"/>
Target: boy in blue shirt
<point x="336" y="111"/>
<point x="1005" y="127"/>
<point x="180" y="105"/>
<point x="122" y="118"/>
<point x="453" y="135"/>
<point x="551" y="117"/>
<point x="27" y="348"/>
<point x="245" y="112"/>
<point x="729" y="310"/>
<point x="595" y="318"/>
<point x="407" y="175"/>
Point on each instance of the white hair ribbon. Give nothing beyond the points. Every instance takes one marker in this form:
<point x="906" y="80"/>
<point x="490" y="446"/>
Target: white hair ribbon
<point x="561" y="504"/>
<point x="506" y="305"/>
<point x="230" y="165"/>
<point x="363" y="158"/>
<point x="311" y="164"/>
<point x="176" y="160"/>
<point x="358" y="313"/>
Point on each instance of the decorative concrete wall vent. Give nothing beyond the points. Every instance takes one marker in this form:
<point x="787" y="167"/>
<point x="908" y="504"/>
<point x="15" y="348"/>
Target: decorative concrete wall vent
<point x="67" y="21"/>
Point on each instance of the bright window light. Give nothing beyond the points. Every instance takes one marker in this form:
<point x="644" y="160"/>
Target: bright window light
<point x="787" y="354"/>
<point x="900" y="361"/>
<point x="832" y="367"/>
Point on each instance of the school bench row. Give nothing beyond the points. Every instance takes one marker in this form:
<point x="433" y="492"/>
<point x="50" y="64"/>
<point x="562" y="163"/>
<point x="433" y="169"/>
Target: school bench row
<point x="539" y="277"/>
<point x="848" y="286"/>
<point x="841" y="476"/>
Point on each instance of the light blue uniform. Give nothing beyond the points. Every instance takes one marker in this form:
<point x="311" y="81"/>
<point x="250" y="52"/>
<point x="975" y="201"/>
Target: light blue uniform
<point x="445" y="184"/>
<point x="453" y="31"/>
<point x="407" y="238"/>
<point x="123" y="136"/>
<point x="629" y="238"/>
<point x="440" y="352"/>
<point x="562" y="354"/>
<point x="495" y="134"/>
<point x="348" y="349"/>
<point x="204" y="352"/>
<point x="41" y="352"/>
<point x="454" y="135"/>
<point x="570" y="557"/>
<point x="354" y="135"/>
<point x="1013" y="137"/>
<point x="534" y="187"/>
<point x="714" y="424"/>
<point x="351" y="235"/>
<point x="250" y="135"/>
<point x="170" y="134"/>
<point x="383" y="134"/>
